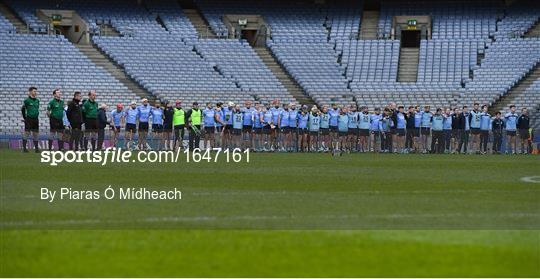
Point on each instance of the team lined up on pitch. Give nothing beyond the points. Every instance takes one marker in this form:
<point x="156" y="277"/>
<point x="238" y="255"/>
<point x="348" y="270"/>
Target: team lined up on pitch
<point x="276" y="127"/>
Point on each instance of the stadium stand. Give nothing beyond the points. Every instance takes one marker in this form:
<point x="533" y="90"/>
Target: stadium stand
<point x="371" y="60"/>
<point x="5" y="25"/>
<point x="451" y="19"/>
<point x="238" y="61"/>
<point x="48" y="62"/>
<point x="26" y="11"/>
<point x="175" y="71"/>
<point x="517" y="21"/>
<point x="505" y="64"/>
<point x="524" y="95"/>
<point x="173" y="18"/>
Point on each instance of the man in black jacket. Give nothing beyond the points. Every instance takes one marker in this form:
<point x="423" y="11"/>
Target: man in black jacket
<point x="75" y="117"/>
<point x="409" y="140"/>
<point x="102" y="124"/>
<point x="497" y="127"/>
<point x="523" y="128"/>
<point x="464" y="119"/>
<point x="456" y="130"/>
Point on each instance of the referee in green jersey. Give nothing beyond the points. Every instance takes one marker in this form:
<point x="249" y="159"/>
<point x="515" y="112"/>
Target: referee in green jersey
<point x="55" y="112"/>
<point x="30" y="114"/>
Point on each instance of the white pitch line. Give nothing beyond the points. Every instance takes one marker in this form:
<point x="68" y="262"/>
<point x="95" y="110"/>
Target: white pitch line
<point x="364" y="192"/>
<point x="205" y="219"/>
<point x="531" y="179"/>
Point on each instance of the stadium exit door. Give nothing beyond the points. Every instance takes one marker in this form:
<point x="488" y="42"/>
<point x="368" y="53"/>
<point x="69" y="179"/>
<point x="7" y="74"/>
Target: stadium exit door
<point x="410" y="38"/>
<point x="250" y="36"/>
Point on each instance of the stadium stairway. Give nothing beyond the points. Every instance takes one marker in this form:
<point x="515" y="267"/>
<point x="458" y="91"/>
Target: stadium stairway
<point x="369" y="25"/>
<point x="108" y="30"/>
<point x="516" y="91"/>
<point x="281" y="74"/>
<point x="408" y="64"/>
<point x="98" y="58"/>
<point x="20" y="26"/>
<point x="534" y="32"/>
<point x="200" y="24"/>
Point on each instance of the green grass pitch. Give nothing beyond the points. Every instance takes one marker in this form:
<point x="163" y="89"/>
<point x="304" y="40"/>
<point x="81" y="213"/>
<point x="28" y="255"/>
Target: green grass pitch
<point x="279" y="215"/>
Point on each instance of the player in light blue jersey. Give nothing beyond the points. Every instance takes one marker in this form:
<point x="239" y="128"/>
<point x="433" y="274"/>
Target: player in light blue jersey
<point x="131" y="124"/>
<point x="283" y="125"/>
<point x="247" y="129"/>
<point x="219" y="117"/>
<point x="352" y="137"/>
<point x="364" y="123"/>
<point x="510" y="122"/>
<point x="325" y="129"/>
<point x="334" y="113"/>
<point x="400" y="128"/>
<point x="237" y="125"/>
<point x="293" y="126"/>
<point x="143" y="117"/>
<point x="274" y="134"/>
<point x="314" y="126"/>
<point x="385" y="125"/>
<point x="118" y="119"/>
<point x="375" y="117"/>
<point x="209" y="124"/>
<point x="343" y="144"/>
<point x="257" y="117"/>
<point x="226" y="134"/>
<point x="485" y="127"/>
<point x="425" y="128"/>
<point x="156" y="113"/>
<point x="267" y="128"/>
<point x="447" y="130"/>
<point x="437" y="127"/>
<point x="475" y="118"/>
<point x="303" y="118"/>
<point x="417" y="124"/>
